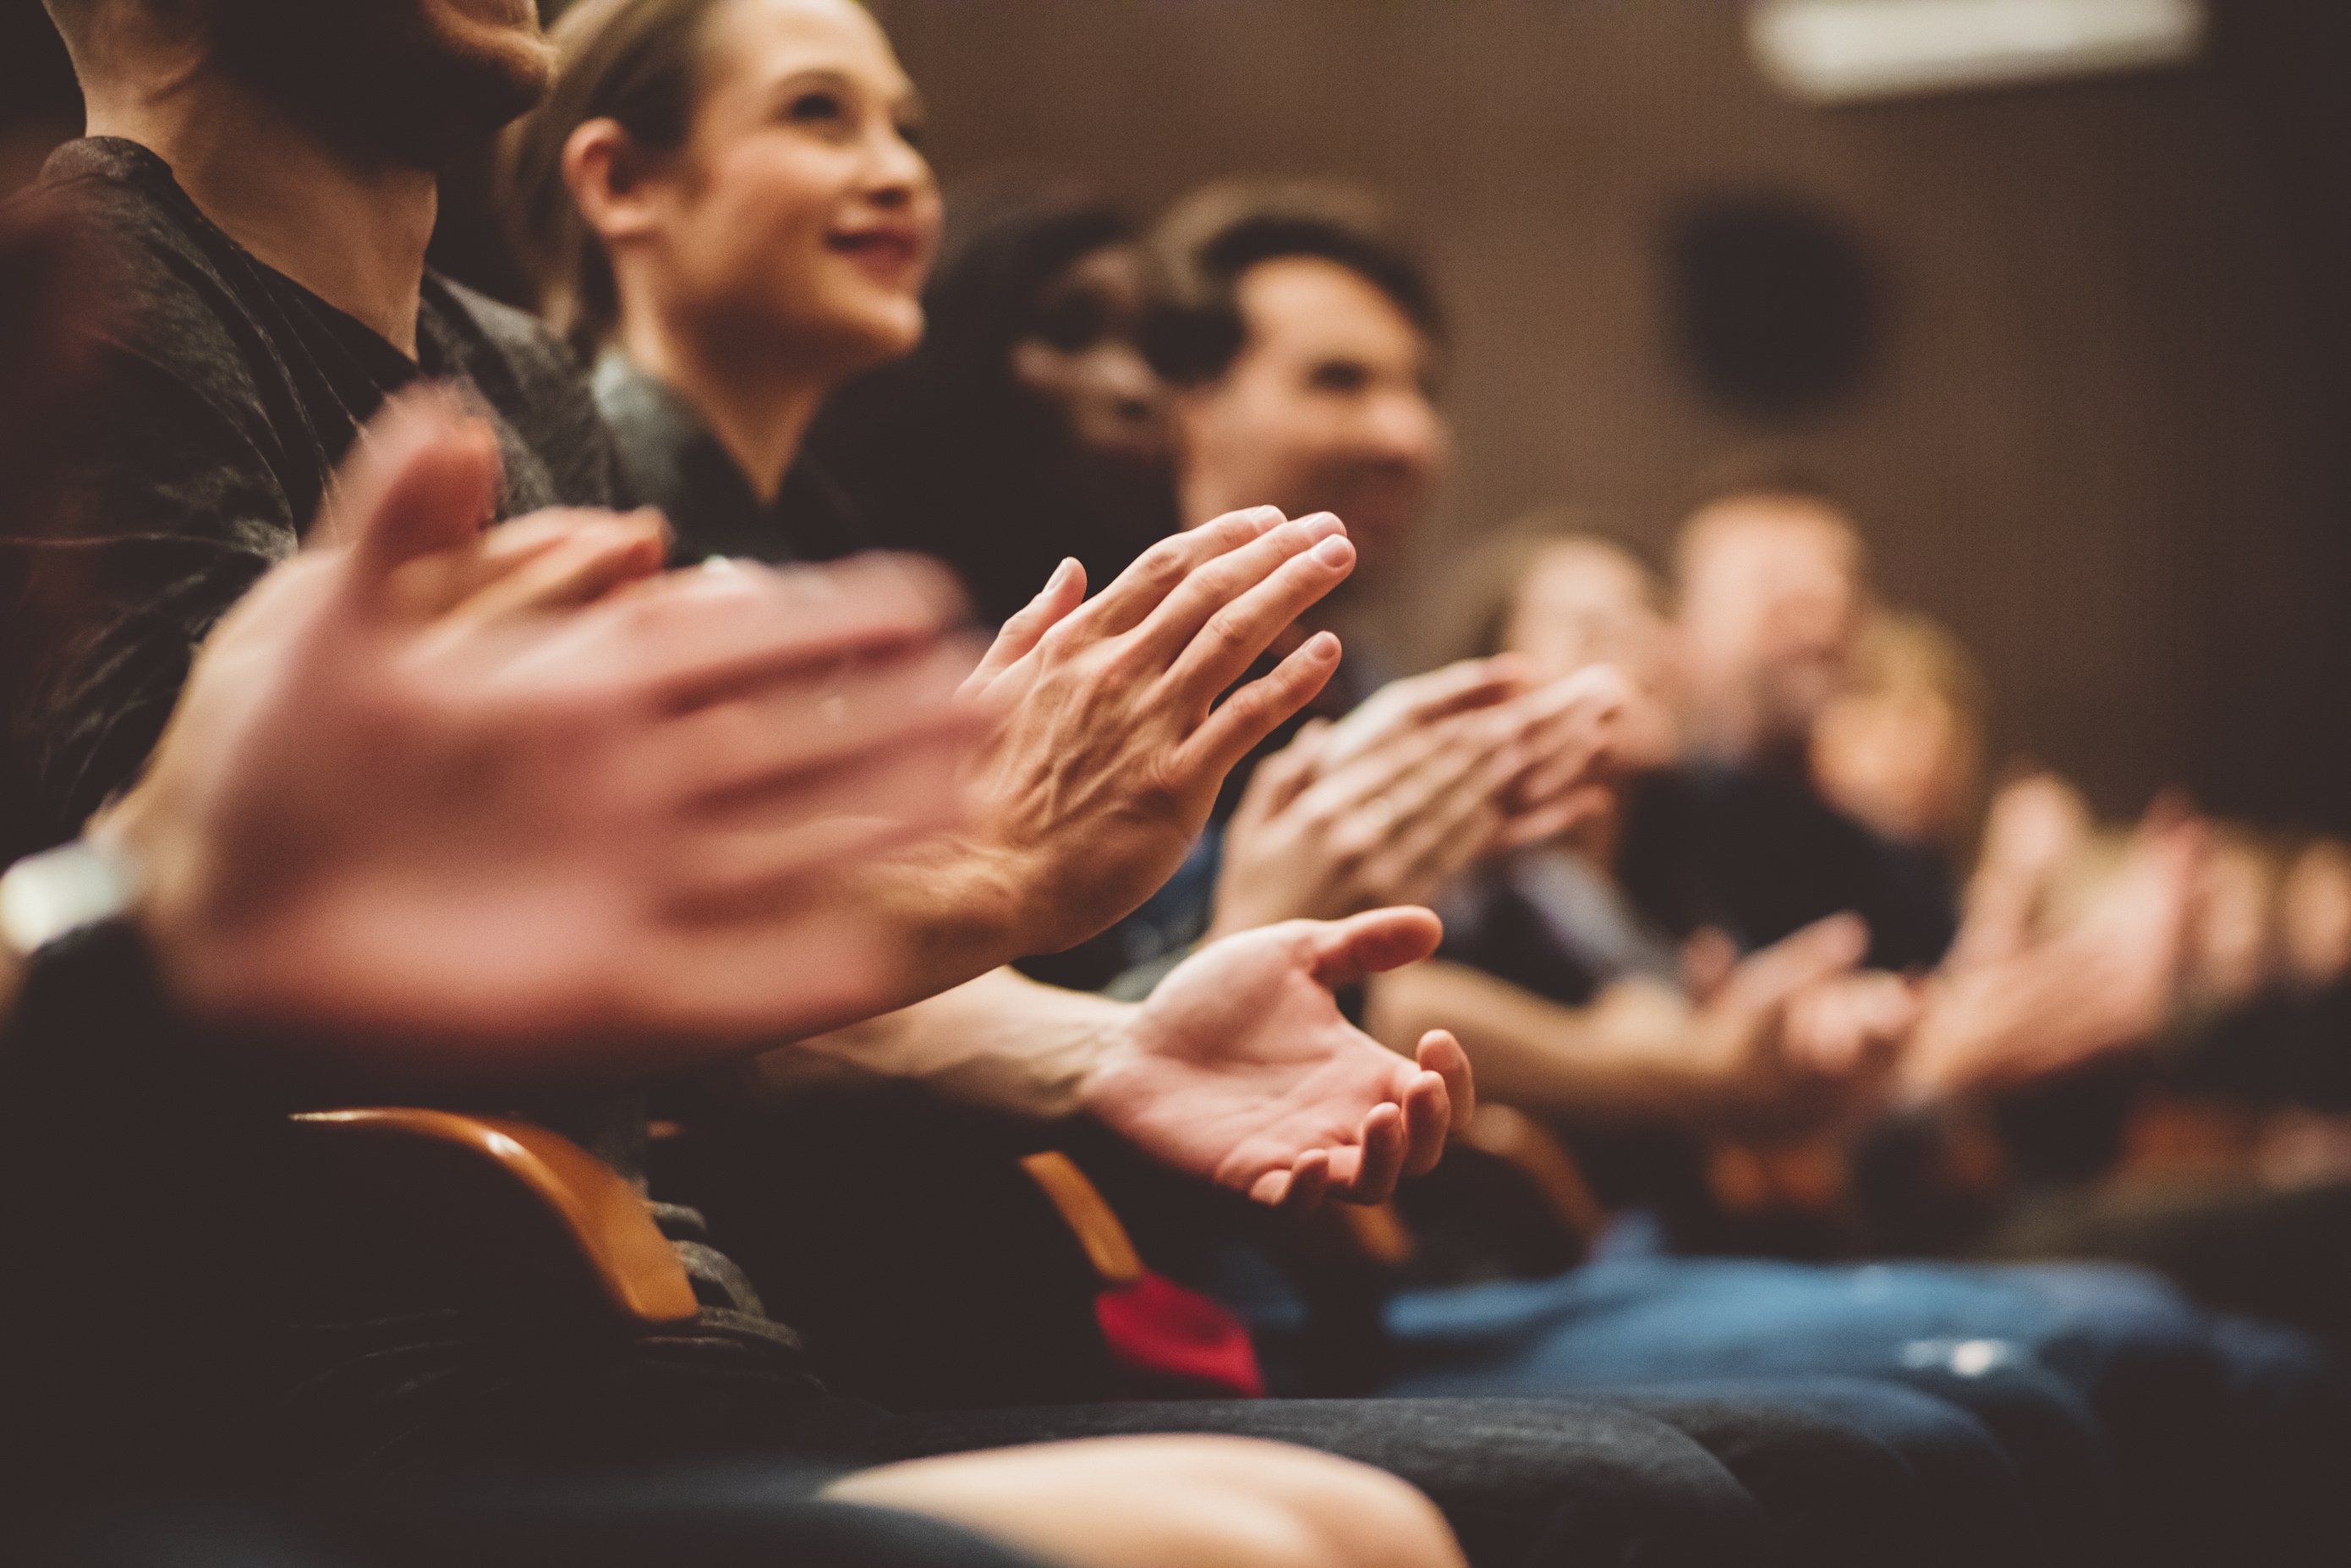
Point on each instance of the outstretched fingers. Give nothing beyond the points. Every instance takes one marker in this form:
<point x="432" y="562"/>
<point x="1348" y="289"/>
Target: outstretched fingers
<point x="1139" y="591"/>
<point x="1440" y="1053"/>
<point x="591" y="555"/>
<point x="1366" y="1170"/>
<point x="1427" y="1119"/>
<point x="1064" y="591"/>
<point x="1211" y="630"/>
<point x="689" y="634"/>
<point x="1345" y="951"/>
<point x="1299" y="1189"/>
<point x="1419" y="700"/>
<point x="781" y="735"/>
<point x="1244" y="718"/>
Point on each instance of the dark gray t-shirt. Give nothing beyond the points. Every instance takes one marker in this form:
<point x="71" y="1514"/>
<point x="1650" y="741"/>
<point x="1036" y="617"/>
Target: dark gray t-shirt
<point x="224" y="395"/>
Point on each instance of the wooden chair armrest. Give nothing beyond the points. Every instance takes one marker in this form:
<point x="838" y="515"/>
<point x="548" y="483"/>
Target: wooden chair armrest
<point x="596" y="1216"/>
<point x="1538" y="1155"/>
<point x="1088" y="1215"/>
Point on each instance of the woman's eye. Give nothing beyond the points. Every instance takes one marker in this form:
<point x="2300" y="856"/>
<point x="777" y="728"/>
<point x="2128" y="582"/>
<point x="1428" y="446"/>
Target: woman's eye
<point x="910" y="132"/>
<point x="814" y="108"/>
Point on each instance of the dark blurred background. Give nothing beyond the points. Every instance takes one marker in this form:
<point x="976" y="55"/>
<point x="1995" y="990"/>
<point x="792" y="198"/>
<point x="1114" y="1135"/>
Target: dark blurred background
<point x="2079" y="355"/>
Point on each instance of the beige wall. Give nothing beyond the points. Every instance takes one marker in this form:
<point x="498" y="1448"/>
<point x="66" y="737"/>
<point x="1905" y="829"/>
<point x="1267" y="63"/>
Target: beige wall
<point x="2104" y="444"/>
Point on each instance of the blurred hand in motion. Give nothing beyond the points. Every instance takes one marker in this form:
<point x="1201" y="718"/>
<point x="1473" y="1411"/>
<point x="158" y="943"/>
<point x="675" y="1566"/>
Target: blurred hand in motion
<point x="526" y="804"/>
<point x="1113" y="742"/>
<point x="2026" y="1004"/>
<point x="1795" y="1035"/>
<point x="1425" y="777"/>
<point x="1241" y="1070"/>
<point x="2036" y="827"/>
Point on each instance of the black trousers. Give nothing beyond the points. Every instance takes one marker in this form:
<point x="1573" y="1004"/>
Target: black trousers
<point x="680" y="1521"/>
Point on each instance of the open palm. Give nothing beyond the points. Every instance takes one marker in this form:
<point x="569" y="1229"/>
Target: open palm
<point x="1241" y="1068"/>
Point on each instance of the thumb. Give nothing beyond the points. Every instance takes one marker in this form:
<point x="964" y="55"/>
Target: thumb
<point x="1346" y="951"/>
<point x="422" y="478"/>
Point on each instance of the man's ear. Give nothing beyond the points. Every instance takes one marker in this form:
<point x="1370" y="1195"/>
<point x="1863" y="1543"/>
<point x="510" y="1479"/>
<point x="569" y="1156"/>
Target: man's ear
<point x="608" y="175"/>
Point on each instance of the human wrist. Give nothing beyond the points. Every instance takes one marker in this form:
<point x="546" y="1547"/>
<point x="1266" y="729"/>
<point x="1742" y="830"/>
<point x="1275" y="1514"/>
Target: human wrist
<point x="1103" y="1050"/>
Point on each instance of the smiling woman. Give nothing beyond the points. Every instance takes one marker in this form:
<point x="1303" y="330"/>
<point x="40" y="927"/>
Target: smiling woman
<point x="724" y="196"/>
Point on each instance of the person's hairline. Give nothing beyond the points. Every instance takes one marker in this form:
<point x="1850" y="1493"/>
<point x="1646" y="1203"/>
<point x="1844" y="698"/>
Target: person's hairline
<point x="1762" y="509"/>
<point x="1429" y="343"/>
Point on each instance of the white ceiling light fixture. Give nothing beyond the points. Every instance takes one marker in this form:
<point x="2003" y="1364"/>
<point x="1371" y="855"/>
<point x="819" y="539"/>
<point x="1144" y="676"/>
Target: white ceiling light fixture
<point x="1847" y="51"/>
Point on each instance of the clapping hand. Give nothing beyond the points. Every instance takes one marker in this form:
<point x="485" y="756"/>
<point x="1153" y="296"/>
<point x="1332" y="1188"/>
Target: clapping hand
<point x="1240" y="1068"/>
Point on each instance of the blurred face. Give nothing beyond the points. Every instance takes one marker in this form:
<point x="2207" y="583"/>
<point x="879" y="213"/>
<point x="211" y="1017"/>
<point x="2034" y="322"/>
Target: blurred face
<point x="797" y="220"/>
<point x="1903" y="761"/>
<point x="1583" y="603"/>
<point x="1328" y="407"/>
<point x="1772" y="600"/>
<point x="410" y="81"/>
<point x="1082" y="354"/>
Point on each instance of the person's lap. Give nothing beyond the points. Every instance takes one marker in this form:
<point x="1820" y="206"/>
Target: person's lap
<point x="2081" y="1373"/>
<point x="1521" y="1481"/>
<point x="701" y="1517"/>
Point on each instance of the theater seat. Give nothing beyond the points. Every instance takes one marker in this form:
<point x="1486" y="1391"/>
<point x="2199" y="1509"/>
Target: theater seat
<point x="516" y="1208"/>
<point x="508" y="1213"/>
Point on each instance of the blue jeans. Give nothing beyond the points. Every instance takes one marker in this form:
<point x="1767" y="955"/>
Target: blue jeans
<point x="2130" y="1417"/>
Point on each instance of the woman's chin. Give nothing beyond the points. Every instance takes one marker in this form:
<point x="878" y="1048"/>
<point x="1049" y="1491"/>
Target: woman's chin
<point x="875" y="337"/>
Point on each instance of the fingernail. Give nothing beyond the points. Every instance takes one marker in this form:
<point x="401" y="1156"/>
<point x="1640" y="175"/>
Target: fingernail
<point x="1334" y="551"/>
<point x="1321" y="525"/>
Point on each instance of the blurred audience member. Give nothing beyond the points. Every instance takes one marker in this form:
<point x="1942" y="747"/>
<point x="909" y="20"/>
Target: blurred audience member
<point x="1573" y="1001"/>
<point x="1771" y="596"/>
<point x="1900" y="749"/>
<point x="1043" y="425"/>
<point x="1304" y="345"/>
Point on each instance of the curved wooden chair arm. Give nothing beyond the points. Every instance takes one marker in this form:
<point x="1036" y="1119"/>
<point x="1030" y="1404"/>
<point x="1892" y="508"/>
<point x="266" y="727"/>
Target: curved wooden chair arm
<point x="1088" y="1215"/>
<point x="596" y="1216"/>
<point x="1538" y="1155"/>
<point x="1377" y="1231"/>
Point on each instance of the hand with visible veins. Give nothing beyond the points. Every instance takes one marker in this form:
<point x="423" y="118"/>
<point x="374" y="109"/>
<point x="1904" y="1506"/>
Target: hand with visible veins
<point x="1112" y="741"/>
<point x="1240" y="1068"/>
<point x="515" y="802"/>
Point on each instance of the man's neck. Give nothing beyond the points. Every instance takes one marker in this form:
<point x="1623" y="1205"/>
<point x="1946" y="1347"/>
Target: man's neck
<point x="755" y="406"/>
<point x="351" y="233"/>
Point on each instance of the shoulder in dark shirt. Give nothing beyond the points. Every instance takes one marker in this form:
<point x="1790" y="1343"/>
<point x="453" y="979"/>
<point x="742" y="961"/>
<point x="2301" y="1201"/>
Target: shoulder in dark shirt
<point x="670" y="461"/>
<point x="224" y="394"/>
<point x="1760" y="854"/>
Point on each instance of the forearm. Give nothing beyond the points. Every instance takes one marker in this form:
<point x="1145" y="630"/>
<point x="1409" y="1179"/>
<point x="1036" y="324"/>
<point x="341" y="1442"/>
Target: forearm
<point x="1624" y="1059"/>
<point x="1000" y="1041"/>
<point x="960" y="907"/>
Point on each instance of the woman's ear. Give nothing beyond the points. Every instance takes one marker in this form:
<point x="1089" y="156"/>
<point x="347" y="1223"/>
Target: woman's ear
<point x="607" y="173"/>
